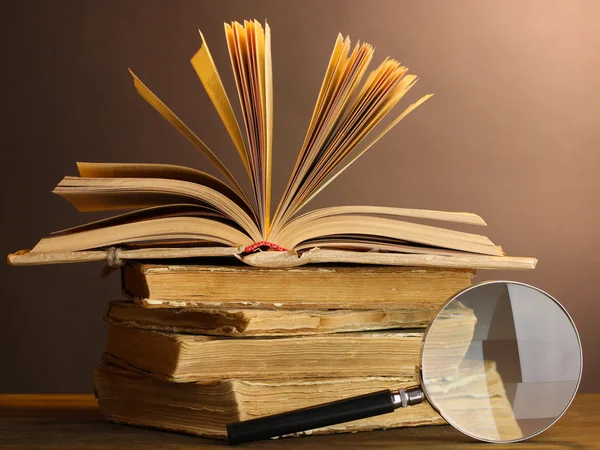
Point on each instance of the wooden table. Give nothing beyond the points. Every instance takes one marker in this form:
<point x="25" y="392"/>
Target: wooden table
<point x="74" y="421"/>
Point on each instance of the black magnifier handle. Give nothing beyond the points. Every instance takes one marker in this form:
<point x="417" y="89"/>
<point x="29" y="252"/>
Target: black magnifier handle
<point x="354" y="408"/>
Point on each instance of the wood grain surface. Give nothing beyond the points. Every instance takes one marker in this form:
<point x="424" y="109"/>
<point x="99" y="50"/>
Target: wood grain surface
<point x="74" y="421"/>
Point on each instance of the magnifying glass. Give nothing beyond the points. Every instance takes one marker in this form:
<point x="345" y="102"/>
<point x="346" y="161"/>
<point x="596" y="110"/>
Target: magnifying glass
<point x="501" y="362"/>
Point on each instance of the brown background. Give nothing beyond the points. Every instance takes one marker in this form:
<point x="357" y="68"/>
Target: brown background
<point x="512" y="134"/>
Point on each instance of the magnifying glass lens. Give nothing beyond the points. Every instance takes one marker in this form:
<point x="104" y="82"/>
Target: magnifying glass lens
<point x="501" y="362"/>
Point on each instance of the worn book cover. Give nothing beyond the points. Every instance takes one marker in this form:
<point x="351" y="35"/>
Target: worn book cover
<point x="263" y="322"/>
<point x="307" y="287"/>
<point x="132" y="397"/>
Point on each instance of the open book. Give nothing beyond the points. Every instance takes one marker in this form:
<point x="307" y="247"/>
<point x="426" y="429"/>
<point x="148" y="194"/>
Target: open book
<point x="180" y="212"/>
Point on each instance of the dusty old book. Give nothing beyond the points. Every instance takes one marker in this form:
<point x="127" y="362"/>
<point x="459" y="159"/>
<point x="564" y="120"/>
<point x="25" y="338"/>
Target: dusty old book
<point x="263" y="322"/>
<point x="307" y="287"/>
<point x="185" y="357"/>
<point x="135" y="398"/>
<point x="180" y="212"/>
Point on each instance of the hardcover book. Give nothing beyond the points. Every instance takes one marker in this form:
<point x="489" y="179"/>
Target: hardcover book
<point x="263" y="322"/>
<point x="343" y="287"/>
<point x="132" y="397"/>
<point x="185" y="357"/>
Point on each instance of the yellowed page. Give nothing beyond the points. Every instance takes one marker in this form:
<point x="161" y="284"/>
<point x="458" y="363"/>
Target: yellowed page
<point x="268" y="67"/>
<point x="341" y="44"/>
<point x="209" y="76"/>
<point x="376" y="76"/>
<point x="446" y="216"/>
<point x="237" y="41"/>
<point x="337" y="54"/>
<point x="383" y="92"/>
<point x="372" y="226"/>
<point x="353" y="72"/>
<point x="348" y="73"/>
<point x="97" y="194"/>
<point x="154" y="229"/>
<point x="153" y="212"/>
<point x="356" y="132"/>
<point x="370" y="111"/>
<point x="248" y="55"/>
<point x="255" y="93"/>
<point x="164" y="111"/>
<point x="167" y="171"/>
<point x="362" y="152"/>
<point x="240" y="55"/>
<point x="345" y="243"/>
<point x="379" y="99"/>
<point x="231" y="46"/>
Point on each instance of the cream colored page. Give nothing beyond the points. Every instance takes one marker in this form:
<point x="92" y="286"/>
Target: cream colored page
<point x="339" y="50"/>
<point x="250" y="76"/>
<point x="383" y="107"/>
<point x="209" y="76"/>
<point x="255" y="39"/>
<point x="376" y="77"/>
<point x="153" y="212"/>
<point x="94" y="194"/>
<point x="233" y="57"/>
<point x="360" y="121"/>
<point x="332" y="107"/>
<point x="336" y="55"/>
<point x="446" y="216"/>
<point x="367" y="115"/>
<point x="154" y="229"/>
<point x="269" y="121"/>
<point x="231" y="35"/>
<point x="347" y="76"/>
<point x="353" y="72"/>
<point x="377" y="226"/>
<point x="237" y="44"/>
<point x="164" y="111"/>
<point x="167" y="171"/>
<point x="358" y="131"/>
<point x="240" y="53"/>
<point x="373" y="86"/>
<point x="343" y="243"/>
<point x="380" y="97"/>
<point x="362" y="152"/>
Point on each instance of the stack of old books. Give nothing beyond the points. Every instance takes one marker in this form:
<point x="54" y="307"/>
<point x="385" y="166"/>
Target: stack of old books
<point x="204" y="346"/>
<point x="300" y="307"/>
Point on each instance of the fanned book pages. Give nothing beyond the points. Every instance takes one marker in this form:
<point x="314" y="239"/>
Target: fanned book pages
<point x="180" y="212"/>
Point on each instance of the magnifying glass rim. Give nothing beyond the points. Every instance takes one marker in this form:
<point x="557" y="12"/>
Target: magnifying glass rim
<point x="454" y="297"/>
